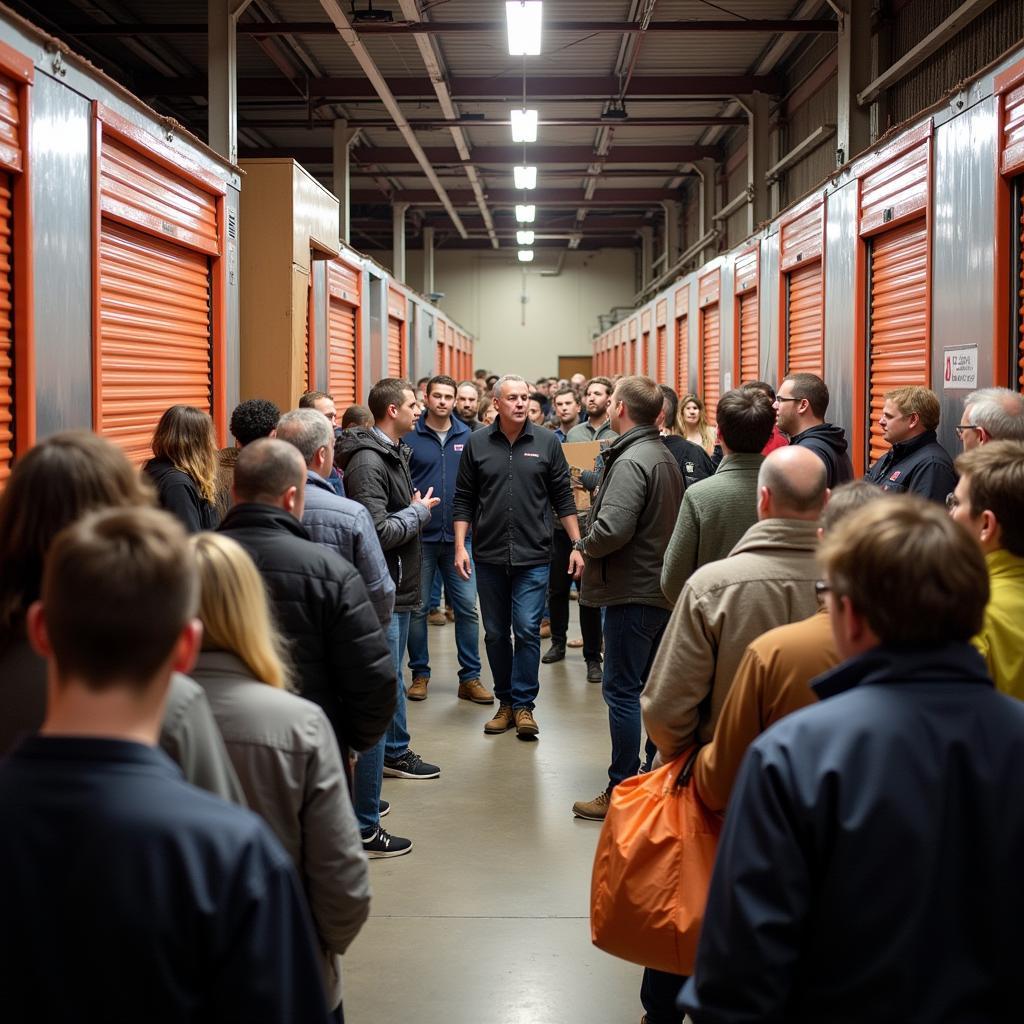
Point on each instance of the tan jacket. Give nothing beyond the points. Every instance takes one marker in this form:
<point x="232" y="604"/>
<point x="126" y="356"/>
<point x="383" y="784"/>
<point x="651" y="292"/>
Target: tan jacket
<point x="767" y="581"/>
<point x="772" y="681"/>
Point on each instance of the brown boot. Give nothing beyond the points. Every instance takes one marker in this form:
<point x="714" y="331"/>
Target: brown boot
<point x="437" y="617"/>
<point x="592" y="810"/>
<point x="545" y="628"/>
<point x="472" y="690"/>
<point x="526" y="724"/>
<point x="502" y="721"/>
<point x="418" y="690"/>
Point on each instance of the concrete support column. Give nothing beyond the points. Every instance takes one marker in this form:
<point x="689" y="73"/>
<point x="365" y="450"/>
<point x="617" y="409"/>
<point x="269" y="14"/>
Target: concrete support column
<point x="428" y="261"/>
<point x="673" y="212"/>
<point x="222" y="77"/>
<point x="398" y="240"/>
<point x="853" y="122"/>
<point x="342" y="141"/>
<point x="758" y="209"/>
<point x="646" y="255"/>
<point x="708" y="205"/>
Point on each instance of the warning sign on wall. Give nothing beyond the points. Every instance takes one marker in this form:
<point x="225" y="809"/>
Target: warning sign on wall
<point x="960" y="368"/>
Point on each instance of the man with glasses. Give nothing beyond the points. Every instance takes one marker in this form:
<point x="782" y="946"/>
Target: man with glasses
<point x="800" y="408"/>
<point x="991" y="414"/>
<point x="916" y="463"/>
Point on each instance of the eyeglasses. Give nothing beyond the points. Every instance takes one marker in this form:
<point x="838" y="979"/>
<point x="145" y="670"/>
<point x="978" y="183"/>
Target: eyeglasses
<point x="821" y="588"/>
<point x="952" y="502"/>
<point x="779" y="398"/>
<point x="960" y="428"/>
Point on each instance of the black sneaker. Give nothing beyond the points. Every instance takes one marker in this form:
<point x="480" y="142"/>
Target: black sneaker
<point x="595" y="672"/>
<point x="409" y="766"/>
<point x="381" y="844"/>
<point x="383" y="808"/>
<point x="556" y="652"/>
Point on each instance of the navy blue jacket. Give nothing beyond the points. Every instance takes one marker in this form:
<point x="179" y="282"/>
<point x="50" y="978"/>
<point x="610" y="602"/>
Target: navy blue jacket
<point x="435" y="466"/>
<point x="918" y="466"/>
<point x="128" y="895"/>
<point x="870" y="865"/>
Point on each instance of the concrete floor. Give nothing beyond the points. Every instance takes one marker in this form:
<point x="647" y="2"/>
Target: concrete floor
<point x="487" y="919"/>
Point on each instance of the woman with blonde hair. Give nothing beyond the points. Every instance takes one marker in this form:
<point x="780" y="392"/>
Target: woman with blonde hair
<point x="51" y="486"/>
<point x="282" y="746"/>
<point x="692" y="423"/>
<point x="184" y="467"/>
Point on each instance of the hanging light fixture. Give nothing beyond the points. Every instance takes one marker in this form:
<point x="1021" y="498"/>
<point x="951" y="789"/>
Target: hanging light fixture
<point x="524" y="237"/>
<point x="525" y="255"/>
<point x="523" y="19"/>
<point x="525" y="214"/>
<point x="524" y="125"/>
<point x="525" y="177"/>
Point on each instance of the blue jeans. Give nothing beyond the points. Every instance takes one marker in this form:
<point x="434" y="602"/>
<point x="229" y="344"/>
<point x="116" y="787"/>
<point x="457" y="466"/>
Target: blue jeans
<point x="462" y="594"/>
<point x="511" y="602"/>
<point x="369" y="773"/>
<point x="435" y="592"/>
<point x="632" y="633"/>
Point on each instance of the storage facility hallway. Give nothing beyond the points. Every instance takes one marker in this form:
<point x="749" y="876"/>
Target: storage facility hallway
<point x="487" y="918"/>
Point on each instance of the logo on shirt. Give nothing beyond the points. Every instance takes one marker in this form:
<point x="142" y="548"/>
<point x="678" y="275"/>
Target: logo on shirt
<point x="457" y="447"/>
<point x="895" y="476"/>
<point x="531" y="455"/>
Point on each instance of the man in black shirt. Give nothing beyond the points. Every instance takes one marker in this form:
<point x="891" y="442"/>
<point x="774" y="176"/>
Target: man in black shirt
<point x="171" y="904"/>
<point x="510" y="477"/>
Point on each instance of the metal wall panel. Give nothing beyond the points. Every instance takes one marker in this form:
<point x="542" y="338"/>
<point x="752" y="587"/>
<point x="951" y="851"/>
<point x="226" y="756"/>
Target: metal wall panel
<point x="962" y="251"/>
<point x="62" y="256"/>
<point x="232" y="311"/>
<point x="375" y="318"/>
<point x="768" y="291"/>
<point x="841" y="243"/>
<point x="426" y="340"/>
<point x="318" y="268"/>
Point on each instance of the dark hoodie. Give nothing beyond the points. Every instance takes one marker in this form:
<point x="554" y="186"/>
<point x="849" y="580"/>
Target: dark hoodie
<point x="829" y="444"/>
<point x="178" y="494"/>
<point x="377" y="476"/>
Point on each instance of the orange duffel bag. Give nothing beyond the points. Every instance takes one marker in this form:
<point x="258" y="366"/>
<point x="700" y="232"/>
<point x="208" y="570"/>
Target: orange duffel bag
<point x="652" y="869"/>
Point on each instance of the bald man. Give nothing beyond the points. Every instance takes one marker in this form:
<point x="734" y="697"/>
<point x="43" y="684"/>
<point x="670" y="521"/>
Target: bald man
<point x="767" y="580"/>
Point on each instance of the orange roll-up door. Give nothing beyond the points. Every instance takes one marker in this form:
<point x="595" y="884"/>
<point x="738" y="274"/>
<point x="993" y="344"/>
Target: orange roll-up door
<point x="1020" y="291"/>
<point x="661" y="344"/>
<point x="342" y="356"/>
<point x="646" y="354"/>
<point x="307" y="346"/>
<point x="749" y="356"/>
<point x="394" y="347"/>
<point x="682" y="356"/>
<point x="805" y="320"/>
<point x="6" y="332"/>
<point x="711" y="359"/>
<point x="898" y="349"/>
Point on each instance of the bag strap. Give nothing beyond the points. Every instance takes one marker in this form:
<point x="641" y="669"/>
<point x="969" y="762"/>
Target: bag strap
<point x="686" y="774"/>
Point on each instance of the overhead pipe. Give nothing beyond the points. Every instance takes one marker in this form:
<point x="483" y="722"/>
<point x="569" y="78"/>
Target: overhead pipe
<point x="701" y="243"/>
<point x="333" y="11"/>
<point x="737" y="203"/>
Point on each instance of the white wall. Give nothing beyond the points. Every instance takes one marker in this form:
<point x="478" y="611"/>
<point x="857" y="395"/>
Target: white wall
<point x="482" y="292"/>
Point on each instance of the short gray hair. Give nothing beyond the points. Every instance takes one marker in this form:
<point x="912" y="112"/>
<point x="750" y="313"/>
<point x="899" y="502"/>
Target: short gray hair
<point x="496" y="390"/>
<point x="1000" y="411"/>
<point x="306" y="429"/>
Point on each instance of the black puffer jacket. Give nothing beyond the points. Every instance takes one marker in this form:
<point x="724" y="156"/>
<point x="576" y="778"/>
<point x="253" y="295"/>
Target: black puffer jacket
<point x="178" y="494"/>
<point x="340" y="653"/>
<point x="829" y="444"/>
<point x="377" y="476"/>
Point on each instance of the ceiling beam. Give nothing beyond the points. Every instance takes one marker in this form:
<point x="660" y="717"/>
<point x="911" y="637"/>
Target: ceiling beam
<point x="325" y="28"/>
<point x="509" y="88"/>
<point x="428" y="123"/>
<point x="397" y="156"/>
<point x="556" y="197"/>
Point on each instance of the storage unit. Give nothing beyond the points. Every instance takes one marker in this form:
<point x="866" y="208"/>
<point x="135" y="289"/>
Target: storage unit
<point x="682" y="332"/>
<point x="291" y="221"/>
<point x="661" y="342"/>
<point x="1009" y="291"/>
<point x="631" y="361"/>
<point x="645" y="344"/>
<point x="397" y="353"/>
<point x="894" y="220"/>
<point x="746" y="317"/>
<point x="802" y="290"/>
<point x="708" y="299"/>
<point x="344" y="341"/>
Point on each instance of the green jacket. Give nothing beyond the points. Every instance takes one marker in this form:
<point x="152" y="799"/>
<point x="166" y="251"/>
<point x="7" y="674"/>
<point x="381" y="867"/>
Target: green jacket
<point x="715" y="513"/>
<point x="630" y="522"/>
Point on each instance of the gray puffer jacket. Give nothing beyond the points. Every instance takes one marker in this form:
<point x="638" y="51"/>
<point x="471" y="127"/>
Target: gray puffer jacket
<point x="631" y="522"/>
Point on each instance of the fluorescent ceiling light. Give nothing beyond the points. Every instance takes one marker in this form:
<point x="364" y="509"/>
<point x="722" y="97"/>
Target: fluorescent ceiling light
<point x="525" y="214"/>
<point x="524" y="237"/>
<point x="525" y="177"/>
<point x="525" y="255"/>
<point x="524" y="125"/>
<point x="524" y="18"/>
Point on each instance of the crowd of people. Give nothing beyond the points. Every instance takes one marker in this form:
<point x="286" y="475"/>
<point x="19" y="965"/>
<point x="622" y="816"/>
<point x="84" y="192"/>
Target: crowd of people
<point x="204" y="665"/>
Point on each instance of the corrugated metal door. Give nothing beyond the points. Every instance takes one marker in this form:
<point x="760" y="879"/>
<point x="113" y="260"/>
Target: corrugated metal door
<point x="749" y="354"/>
<point x="805" y="327"/>
<point x="1020" y="287"/>
<point x="682" y="356"/>
<point x="711" y="358"/>
<point x="341" y="352"/>
<point x="394" y="347"/>
<point x="309" y="326"/>
<point x="898" y="348"/>
<point x="155" y="346"/>
<point x="6" y="331"/>
<point x="646" y="354"/>
<point x="661" y="341"/>
<point x="440" y="354"/>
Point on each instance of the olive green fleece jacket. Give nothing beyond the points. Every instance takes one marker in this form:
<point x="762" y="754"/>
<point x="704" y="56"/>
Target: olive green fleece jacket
<point x="715" y="513"/>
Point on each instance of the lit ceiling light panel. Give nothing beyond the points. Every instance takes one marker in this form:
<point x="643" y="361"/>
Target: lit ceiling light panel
<point x="523" y="18"/>
<point x="525" y="214"/>
<point x="525" y="177"/>
<point x="524" y="237"/>
<point x="525" y="255"/>
<point x="524" y="125"/>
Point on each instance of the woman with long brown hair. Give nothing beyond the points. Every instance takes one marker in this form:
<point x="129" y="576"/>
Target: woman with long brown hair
<point x="692" y="423"/>
<point x="51" y="486"/>
<point x="184" y="467"/>
<point x="282" y="746"/>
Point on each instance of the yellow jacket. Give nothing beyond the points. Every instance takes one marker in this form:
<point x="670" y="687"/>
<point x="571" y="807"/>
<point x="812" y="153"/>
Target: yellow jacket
<point x="1001" y="640"/>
